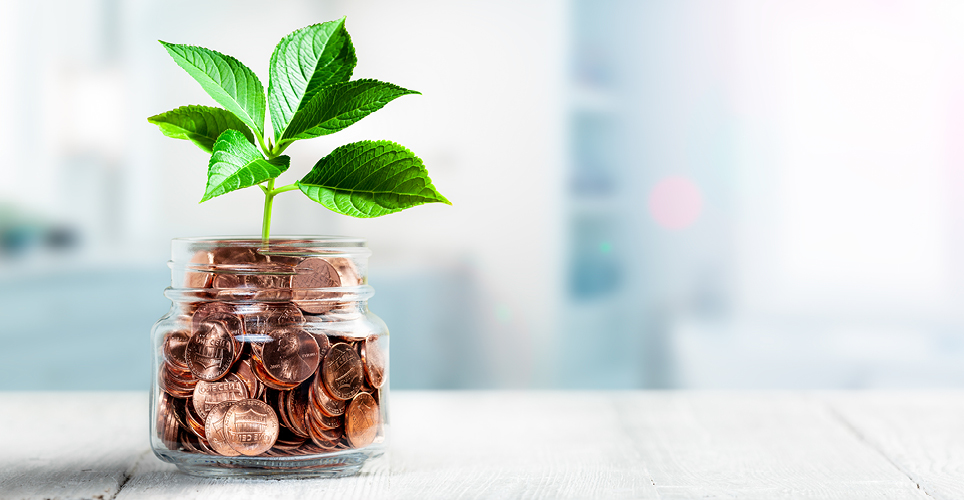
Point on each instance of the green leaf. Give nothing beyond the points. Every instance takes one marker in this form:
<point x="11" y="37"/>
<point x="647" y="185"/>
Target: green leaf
<point x="370" y="179"/>
<point x="237" y="164"/>
<point x="199" y="124"/>
<point x="303" y="62"/>
<point x="337" y="106"/>
<point x="230" y="83"/>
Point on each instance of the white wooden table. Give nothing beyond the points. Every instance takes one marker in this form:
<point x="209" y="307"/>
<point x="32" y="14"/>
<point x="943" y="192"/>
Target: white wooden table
<point x="848" y="445"/>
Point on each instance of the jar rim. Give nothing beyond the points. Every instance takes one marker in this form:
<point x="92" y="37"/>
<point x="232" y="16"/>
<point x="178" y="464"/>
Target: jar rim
<point x="285" y="245"/>
<point x="305" y="240"/>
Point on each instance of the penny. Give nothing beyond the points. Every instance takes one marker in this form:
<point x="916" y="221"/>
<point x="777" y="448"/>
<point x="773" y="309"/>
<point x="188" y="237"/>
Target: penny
<point x="210" y="352"/>
<point x="280" y="408"/>
<point x="373" y="361"/>
<point x="207" y="394"/>
<point x="199" y="444"/>
<point x="361" y="420"/>
<point x="194" y="422"/>
<point x="341" y="371"/>
<point x="315" y="272"/>
<point x="175" y="345"/>
<point x="227" y="281"/>
<point x="207" y="310"/>
<point x="234" y="255"/>
<point x="323" y="401"/>
<point x="172" y="384"/>
<point x="292" y="355"/>
<point x="245" y="371"/>
<point x="311" y="274"/>
<point x="200" y="260"/>
<point x="268" y="380"/>
<point x="325" y="421"/>
<point x="251" y="427"/>
<point x="332" y="435"/>
<point x="167" y="426"/>
<point x="296" y="406"/>
<point x="214" y="429"/>
<point x="317" y="435"/>
<point x="259" y="324"/>
<point x="347" y="271"/>
<point x="178" y="404"/>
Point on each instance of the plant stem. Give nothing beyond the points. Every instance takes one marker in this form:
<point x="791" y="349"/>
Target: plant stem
<point x="266" y="222"/>
<point x="289" y="187"/>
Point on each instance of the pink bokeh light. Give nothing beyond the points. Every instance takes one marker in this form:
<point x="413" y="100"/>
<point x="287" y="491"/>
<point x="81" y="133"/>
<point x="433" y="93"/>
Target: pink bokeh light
<point x="675" y="202"/>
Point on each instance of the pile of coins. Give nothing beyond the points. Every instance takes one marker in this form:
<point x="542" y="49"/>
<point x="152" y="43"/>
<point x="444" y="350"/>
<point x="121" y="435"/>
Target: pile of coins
<point x="267" y="378"/>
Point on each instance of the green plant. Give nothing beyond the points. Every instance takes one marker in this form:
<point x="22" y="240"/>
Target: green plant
<point x="309" y="95"/>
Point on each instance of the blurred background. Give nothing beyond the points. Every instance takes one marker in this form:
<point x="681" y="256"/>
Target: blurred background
<point x="660" y="194"/>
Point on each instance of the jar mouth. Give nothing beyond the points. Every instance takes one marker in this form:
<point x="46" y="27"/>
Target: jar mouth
<point x="281" y="246"/>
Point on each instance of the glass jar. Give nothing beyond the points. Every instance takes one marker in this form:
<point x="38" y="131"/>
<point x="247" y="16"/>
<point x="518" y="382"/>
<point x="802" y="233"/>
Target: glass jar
<point x="269" y="361"/>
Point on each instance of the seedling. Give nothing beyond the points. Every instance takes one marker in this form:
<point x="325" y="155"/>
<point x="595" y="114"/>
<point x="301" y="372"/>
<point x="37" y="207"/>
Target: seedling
<point x="310" y="94"/>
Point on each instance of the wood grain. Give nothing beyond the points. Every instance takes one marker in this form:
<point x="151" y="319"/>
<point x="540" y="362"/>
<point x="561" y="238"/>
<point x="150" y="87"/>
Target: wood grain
<point x="64" y="446"/>
<point x="753" y="445"/>
<point x="651" y="445"/>
<point x="922" y="433"/>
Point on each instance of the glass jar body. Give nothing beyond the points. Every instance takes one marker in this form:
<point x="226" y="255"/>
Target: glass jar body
<point x="269" y="361"/>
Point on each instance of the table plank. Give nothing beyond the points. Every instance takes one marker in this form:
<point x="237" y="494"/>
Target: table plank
<point x="493" y="445"/>
<point x="922" y="433"/>
<point x="65" y="446"/>
<point x="754" y="445"/>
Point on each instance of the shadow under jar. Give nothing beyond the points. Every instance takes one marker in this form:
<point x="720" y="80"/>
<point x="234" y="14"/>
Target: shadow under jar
<point x="269" y="361"/>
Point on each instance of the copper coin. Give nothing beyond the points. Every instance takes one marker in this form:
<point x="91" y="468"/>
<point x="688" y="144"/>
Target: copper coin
<point x="268" y="380"/>
<point x="194" y="444"/>
<point x="173" y="385"/>
<point x="320" y="333"/>
<point x="251" y="427"/>
<point x="209" y="309"/>
<point x="323" y="401"/>
<point x="178" y="404"/>
<point x="315" y="272"/>
<point x="245" y="371"/>
<point x="210" y="352"/>
<point x="175" y="345"/>
<point x="271" y="317"/>
<point x="201" y="445"/>
<point x="361" y="420"/>
<point x="227" y="281"/>
<point x="235" y="255"/>
<point x="178" y="376"/>
<point x="270" y="397"/>
<point x="347" y="271"/>
<point x="317" y="435"/>
<point x="258" y="325"/>
<point x="195" y="423"/>
<point x="292" y="355"/>
<point x="207" y="395"/>
<point x="331" y="435"/>
<point x="311" y="274"/>
<point x="324" y="421"/>
<point x="296" y="406"/>
<point x="214" y="429"/>
<point x="166" y="426"/>
<point x="373" y="361"/>
<point x="342" y="371"/>
<point x="280" y="408"/>
<point x="196" y="279"/>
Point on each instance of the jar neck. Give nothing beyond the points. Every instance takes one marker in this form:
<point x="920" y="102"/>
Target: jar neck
<point x="298" y="263"/>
